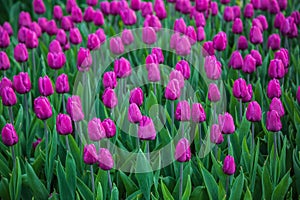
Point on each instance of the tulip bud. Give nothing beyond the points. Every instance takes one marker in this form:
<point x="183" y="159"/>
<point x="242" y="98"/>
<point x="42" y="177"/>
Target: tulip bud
<point x="75" y="36"/>
<point x="31" y="40"/>
<point x="146" y="8"/>
<point x="101" y="35"/>
<point x="236" y="60"/>
<point x="76" y="14"/>
<point x="74" y="108"/>
<point x="283" y="55"/>
<point x="84" y="59"/>
<point x="183" y="67"/>
<point x="22" y="34"/>
<point x="248" y="11"/>
<point x="61" y="37"/>
<point x="110" y="127"/>
<point x="109" y="80"/>
<point x="98" y="18"/>
<point x="175" y="74"/>
<point x="128" y="17"/>
<point x="256" y="36"/>
<point x="66" y="23"/>
<point x="236" y="11"/>
<point x="298" y="95"/>
<point x="208" y="49"/>
<point x="42" y="108"/>
<point x="114" y="7"/>
<point x="54" y="47"/>
<point x="134" y="113"/>
<point x="253" y="113"/>
<point x="5" y="82"/>
<point x="229" y="165"/>
<point x="199" y="19"/>
<point x="274" y="41"/>
<point x="191" y="33"/>
<point x="198" y="113"/>
<point x="21" y="83"/>
<point x="273" y="89"/>
<point x="88" y="15"/>
<point x="212" y="68"/>
<point x="105" y="159"/>
<point x="159" y="9"/>
<point x="220" y="41"/>
<point x="63" y="124"/>
<point x="35" y="27"/>
<point x="183" y="6"/>
<point x="93" y="42"/>
<point x="279" y="19"/>
<point x="295" y="15"/>
<point x="135" y="4"/>
<point x="39" y="6"/>
<point x="174" y="40"/>
<point x="183" y="151"/>
<point x="152" y="21"/>
<point x="214" y="8"/>
<point x="146" y="129"/>
<point x="183" y="46"/>
<point x="213" y="93"/>
<point x="216" y="136"/>
<point x="263" y="21"/>
<point x="242" y="43"/>
<point x="91" y="2"/>
<point x="95" y="130"/>
<point x="276" y="69"/>
<point x="228" y="14"/>
<point x="240" y="89"/>
<point x="9" y="135"/>
<point x="8" y="28"/>
<point x="256" y="55"/>
<point x="158" y="53"/>
<point x="153" y="72"/>
<point x="201" y="34"/>
<point x="273" y="121"/>
<point x="225" y="2"/>
<point x="237" y="26"/>
<point x="180" y="26"/>
<point x="122" y="68"/>
<point x="62" y="84"/>
<point x="149" y="35"/>
<point x="136" y="96"/>
<point x="226" y="123"/>
<point x="249" y="64"/>
<point x="116" y="45"/>
<point x="4" y="38"/>
<point x="56" y="60"/>
<point x="202" y="5"/>
<point x="9" y="97"/>
<point x="24" y="19"/>
<point x="109" y="98"/>
<point x="36" y="143"/>
<point x="45" y="86"/>
<point x="274" y="7"/>
<point x="51" y="28"/>
<point x="4" y="61"/>
<point x="42" y="22"/>
<point x="57" y="12"/>
<point x="21" y="53"/>
<point x="172" y="91"/>
<point x="90" y="156"/>
<point x="277" y="105"/>
<point x="183" y="111"/>
<point x="127" y="37"/>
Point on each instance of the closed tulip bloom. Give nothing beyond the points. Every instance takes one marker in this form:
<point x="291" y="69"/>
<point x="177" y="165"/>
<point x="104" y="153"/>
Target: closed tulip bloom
<point x="101" y="35"/>
<point x="214" y="8"/>
<point x="114" y="7"/>
<point x="127" y="37"/>
<point x="274" y="7"/>
<point x="239" y="89"/>
<point x="276" y="104"/>
<point x="74" y="108"/>
<point x="90" y="156"/>
<point x="184" y="68"/>
<point x="42" y="22"/>
<point x="192" y="35"/>
<point x="248" y="11"/>
<point x="255" y="3"/>
<point x="45" y="86"/>
<point x="21" y="83"/>
<point x="225" y="2"/>
<point x="174" y="40"/>
<point x="212" y="68"/>
<point x="236" y="11"/>
<point x="91" y="2"/>
<point x="273" y="89"/>
<point x="76" y="14"/>
<point x="159" y="9"/>
<point x="282" y="4"/>
<point x="228" y="15"/>
<point x="256" y="55"/>
<point x="276" y="69"/>
<point x="88" y="15"/>
<point x="286" y="26"/>
<point x="216" y="136"/>
<point x="213" y="93"/>
<point x="55" y="47"/>
<point x="199" y="19"/>
<point x="62" y="84"/>
<point x="183" y="151"/>
<point x="105" y="159"/>
<point x="295" y="15"/>
<point x="109" y="80"/>
<point x="202" y="5"/>
<point x="242" y="43"/>
<point x="6" y="26"/>
<point x="274" y="41"/>
<point x="264" y="4"/>
<point x="146" y="129"/>
<point x="109" y="98"/>
<point x="24" y="19"/>
<point x="35" y="27"/>
<point x="39" y="6"/>
<point x="154" y="73"/>
<point x="84" y="59"/>
<point x="110" y="127"/>
<point x="128" y="16"/>
<point x="273" y="121"/>
<point x="136" y="96"/>
<point x="220" y="41"/>
<point x="146" y="8"/>
<point x="98" y="18"/>
<point x="257" y="23"/>
<point x="183" y="111"/>
<point x="208" y="49"/>
<point x="122" y="68"/>
<point x="31" y="40"/>
<point x="152" y="21"/>
<point x="175" y="74"/>
<point x="279" y="19"/>
<point x="253" y="113"/>
<point x="172" y="91"/>
<point x="180" y="26"/>
<point x="134" y="113"/>
<point x="256" y="36"/>
<point x="61" y="37"/>
<point x="135" y="4"/>
<point x="57" y="12"/>
<point x="149" y="35"/>
<point x="237" y="26"/>
<point x="93" y="42"/>
<point x="249" y="64"/>
<point x="21" y="53"/>
<point x="64" y="124"/>
<point x="9" y="135"/>
<point x="66" y="23"/>
<point x="22" y="33"/>
<point x="42" y="108"/>
<point x="4" y="38"/>
<point x="226" y="123"/>
<point x="116" y="45"/>
<point x="183" y="6"/>
<point x="201" y="34"/>
<point x="229" y="165"/>
<point x="51" y="27"/>
<point x="75" y="36"/>
<point x="283" y="55"/>
<point x="56" y="60"/>
<point x="263" y="21"/>
<point x="95" y="129"/>
<point x="183" y="46"/>
<point x="159" y="54"/>
<point x="5" y="82"/>
<point x="298" y="95"/>
<point x="4" y="61"/>
<point x="198" y="113"/>
<point x="9" y="97"/>
<point x="236" y="60"/>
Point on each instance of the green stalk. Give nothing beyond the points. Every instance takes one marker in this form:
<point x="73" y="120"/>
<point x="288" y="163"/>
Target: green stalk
<point x="181" y="181"/>
<point x="109" y="180"/>
<point x="253" y="140"/>
<point x="92" y="178"/>
<point x="47" y="151"/>
<point x="275" y="146"/>
<point x="11" y="115"/>
<point x="241" y="110"/>
<point x="13" y="155"/>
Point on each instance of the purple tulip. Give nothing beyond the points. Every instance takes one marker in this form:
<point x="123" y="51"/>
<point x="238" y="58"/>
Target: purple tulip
<point x="4" y="61"/>
<point x="134" y="113"/>
<point x="42" y="22"/>
<point x="279" y="19"/>
<point x="54" y="46"/>
<point x="198" y="113"/>
<point x="180" y="26"/>
<point x="149" y="35"/>
<point x="175" y="74"/>
<point x="225" y="2"/>
<point x="208" y="49"/>
<point x="236" y="60"/>
<point x="295" y="15"/>
<point x="213" y="93"/>
<point x="228" y="15"/>
<point x="214" y="8"/>
<point x="237" y="26"/>
<point x="35" y="27"/>
<point x="21" y="83"/>
<point x="226" y="123"/>
<point x="116" y="45"/>
<point x="216" y="136"/>
<point x="256" y="55"/>
<point x="21" y="53"/>
<point x="273" y="121"/>
<point x="69" y="5"/>
<point x="136" y="96"/>
<point x="114" y="7"/>
<point x="172" y="91"/>
<point x="110" y="127"/>
<point x="56" y="60"/>
<point x="64" y="124"/>
<point x="6" y="26"/>
<point x="62" y="84"/>
<point x="240" y="90"/>
<point x="202" y="5"/>
<point x="22" y="33"/>
<point x="61" y="37"/>
<point x="273" y="89"/>
<point x="45" y="86"/>
<point x="158" y="53"/>
<point x="256" y="36"/>
<point x="274" y="41"/>
<point x="51" y="27"/>
<point x="95" y="130"/>
<point x="122" y="68"/>
<point x="201" y="34"/>
<point x="183" y="111"/>
<point x="36" y="143"/>
<point x="105" y="159"/>
<point x="199" y="19"/>
<point x="248" y="11"/>
<point x="146" y="8"/>
<point x="253" y="113"/>
<point x="98" y="18"/>
<point x="283" y="55"/>
<point x="274" y="7"/>
<point x="93" y="42"/>
<point x="75" y="36"/>
<point x="229" y="165"/>
<point x="92" y="2"/>
<point x="109" y="80"/>
<point x="66" y="23"/>
<point x="84" y="59"/>
<point x="192" y="35"/>
<point x="9" y="97"/>
<point x="128" y="17"/>
<point x="152" y="21"/>
<point x="9" y="135"/>
<point x="263" y="21"/>
<point x="127" y="37"/>
<point x="146" y="129"/>
<point x="135" y="4"/>
<point x="276" y="104"/>
<point x="74" y="108"/>
<point x="184" y="68"/>
<point x="220" y="41"/>
<point x="39" y="6"/>
<point x="212" y="68"/>
<point x="276" y="69"/>
<point x="101" y="35"/>
<point x="57" y="12"/>
<point x="242" y="43"/>
<point x="24" y="19"/>
<point x="153" y="72"/>
<point x="249" y="64"/>
<point x="159" y="9"/>
<point x="90" y="156"/>
<point x="183" y="151"/>
<point x="88" y="15"/>
<point x="236" y="11"/>
<point x="42" y="108"/>
<point x="109" y="98"/>
<point x="183" y="46"/>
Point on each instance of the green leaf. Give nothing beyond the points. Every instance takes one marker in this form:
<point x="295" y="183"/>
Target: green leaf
<point x="166" y="193"/>
<point x="130" y="186"/>
<point x="15" y="184"/>
<point x="266" y="183"/>
<point x="237" y="189"/>
<point x="282" y="188"/>
<point x="84" y="190"/>
<point x="63" y="185"/>
<point x="188" y="189"/>
<point x="210" y="183"/>
<point x="296" y="164"/>
<point x="150" y="101"/>
<point x="99" y="192"/>
<point x="114" y="193"/>
<point x="71" y="172"/>
<point x="248" y="195"/>
<point x="199" y="193"/>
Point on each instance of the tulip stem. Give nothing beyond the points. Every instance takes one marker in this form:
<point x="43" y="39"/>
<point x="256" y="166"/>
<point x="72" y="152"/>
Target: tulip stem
<point x="227" y="184"/>
<point x="109" y="180"/>
<point x="148" y="150"/>
<point x="11" y="115"/>
<point x="92" y="178"/>
<point x="248" y="78"/>
<point x="215" y="113"/>
<point x="13" y="155"/>
<point x="253" y="141"/>
<point x="200" y="135"/>
<point x="33" y="63"/>
<point x="154" y="88"/>
<point x="180" y="181"/>
<point x="172" y="110"/>
<point x="63" y="102"/>
<point x="216" y="152"/>
<point x="275" y="146"/>
<point x="67" y="143"/>
<point x="241" y="110"/>
<point x="47" y="149"/>
<point x="228" y="142"/>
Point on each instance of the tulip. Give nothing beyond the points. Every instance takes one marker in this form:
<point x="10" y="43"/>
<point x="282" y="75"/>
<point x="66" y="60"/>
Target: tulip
<point x="225" y="2"/>
<point x="183" y="111"/>
<point x="93" y="42"/>
<point x="175" y="74"/>
<point x="51" y="28"/>
<point x="127" y="37"/>
<point x="236" y="60"/>
<point x="201" y="34"/>
<point x="242" y="43"/>
<point x="74" y="108"/>
<point x="109" y="98"/>
<point x="183" y="46"/>
<point x="256" y="35"/>
<point x="4" y="61"/>
<point x="198" y="113"/>
<point x="110" y="127"/>
<point x="66" y="23"/>
<point x="4" y="38"/>
<point x="75" y="36"/>
<point x="84" y="59"/>
<point x="21" y="53"/>
<point x="191" y="33"/>
<point x="90" y="154"/>
<point x="146" y="129"/>
<point x="9" y="97"/>
<point x="63" y="124"/>
<point x="213" y="93"/>
<point x="274" y="41"/>
<point x="298" y="95"/>
<point x="134" y="113"/>
<point x="279" y="19"/>
<point x="174" y="40"/>
<point x="149" y="35"/>
<point x="21" y="83"/>
<point x="146" y="8"/>
<point x="254" y="113"/>
<point x="116" y="45"/>
<point x="212" y="68"/>
<point x="42" y="22"/>
<point x="202" y="5"/>
<point x="152" y="21"/>
<point x="135" y="4"/>
<point x="101" y="35"/>
<point x="22" y="33"/>
<point x="229" y="165"/>
<point x="184" y="68"/>
<point x="45" y="86"/>
<point x="122" y="68"/>
<point x="128" y="17"/>
<point x="62" y="84"/>
<point x="276" y="69"/>
<point x="114" y="7"/>
<point x="263" y="21"/>
<point x="69" y="5"/>
<point x="228" y="15"/>
<point x="183" y="6"/>
<point x="91" y="2"/>
<point x="274" y="7"/>
<point x="216" y="136"/>
<point x="109" y="80"/>
<point x="159" y="9"/>
<point x="257" y="22"/>
<point x="57" y="12"/>
<point x="9" y="135"/>
<point x="183" y="151"/>
<point x="5" y="82"/>
<point x="136" y="96"/>
<point x="226" y="123"/>
<point x="95" y="129"/>
<point x="98" y="18"/>
<point x="295" y="15"/>
<point x="277" y="105"/>
<point x="61" y="37"/>
<point x="199" y="19"/>
<point x="36" y="143"/>
<point x="249" y="64"/>
<point x="172" y="91"/>
<point x="236" y="11"/>
<point x="180" y="26"/>
<point x="153" y="73"/>
<point x="54" y="47"/>
<point x="214" y="8"/>
<point x="105" y="159"/>
<point x="39" y="6"/>
<point x="273" y="121"/>
<point x="158" y="53"/>
<point x="273" y="89"/>
<point x="208" y="49"/>
<point x="283" y="55"/>
<point x="240" y="89"/>
<point x="220" y="41"/>
<point x="256" y="55"/>
<point x="89" y="14"/>
<point x="56" y="60"/>
<point x="35" y="27"/>
<point x="42" y="108"/>
<point x="256" y="4"/>
<point x="237" y="26"/>
<point x="6" y="26"/>
<point x="24" y="19"/>
<point x="264" y="4"/>
<point x="248" y="11"/>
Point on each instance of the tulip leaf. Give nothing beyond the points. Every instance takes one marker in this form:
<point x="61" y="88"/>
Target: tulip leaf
<point x="199" y="193"/>
<point x="296" y="164"/>
<point x="84" y="190"/>
<point x="266" y="183"/>
<point x="64" y="189"/>
<point x="15" y="184"/>
<point x="248" y="195"/>
<point x="210" y="183"/>
<point x="99" y="192"/>
<point x="150" y="101"/>
<point x="166" y="193"/>
<point x="188" y="189"/>
<point x="71" y="172"/>
<point x="282" y="188"/>
<point x="128" y="183"/>
<point x="114" y="193"/>
<point x="237" y="189"/>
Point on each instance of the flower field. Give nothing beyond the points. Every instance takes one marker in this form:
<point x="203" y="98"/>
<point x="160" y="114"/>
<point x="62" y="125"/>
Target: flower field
<point x="175" y="99"/>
